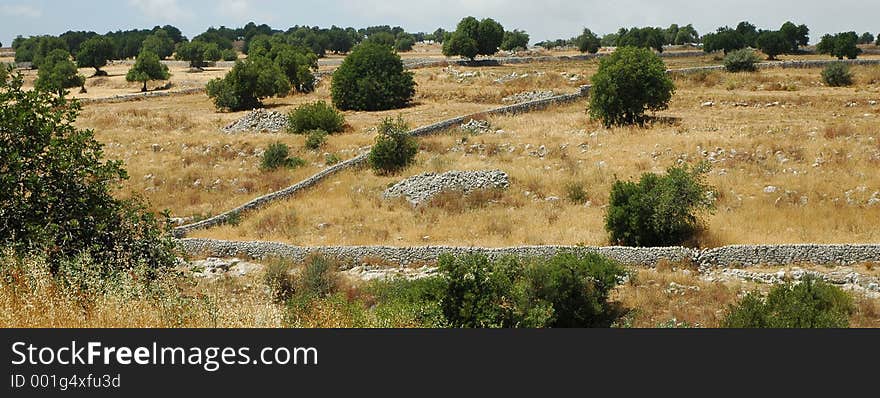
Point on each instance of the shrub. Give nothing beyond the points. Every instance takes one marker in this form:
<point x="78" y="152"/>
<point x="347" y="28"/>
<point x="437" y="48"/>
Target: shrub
<point x="316" y="278"/>
<point x="316" y="139"/>
<point x="837" y="75"/>
<point x="278" y="155"/>
<point x="372" y="78"/>
<point x="57" y="198"/>
<point x="147" y="67"/>
<point x="576" y="193"/>
<point x="394" y="149"/>
<point x="741" y="61"/>
<point x="563" y="291"/>
<point x="658" y="210"/>
<point x="249" y="81"/>
<point x="94" y="53"/>
<point x="473" y="37"/>
<point x="812" y="303"/>
<point x="629" y="81"/>
<point x="58" y="72"/>
<point x="197" y="52"/>
<point x="331" y="159"/>
<point x="315" y="116"/>
<point x="404" y="43"/>
<point x="229" y="55"/>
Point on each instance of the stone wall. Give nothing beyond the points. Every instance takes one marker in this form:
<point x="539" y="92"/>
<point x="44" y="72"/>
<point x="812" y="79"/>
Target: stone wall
<point x="264" y="200"/>
<point x="780" y="64"/>
<point x="722" y="257"/>
<point x="141" y="96"/>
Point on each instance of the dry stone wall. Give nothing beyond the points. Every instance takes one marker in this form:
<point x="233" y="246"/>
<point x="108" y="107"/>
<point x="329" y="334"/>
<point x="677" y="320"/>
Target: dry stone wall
<point x="722" y="257"/>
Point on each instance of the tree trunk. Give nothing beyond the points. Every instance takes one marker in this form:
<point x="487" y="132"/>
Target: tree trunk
<point x="143" y="90"/>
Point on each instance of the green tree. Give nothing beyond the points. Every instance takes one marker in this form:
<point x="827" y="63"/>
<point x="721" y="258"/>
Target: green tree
<point x="372" y="78"/>
<point x="395" y="148"/>
<point x="249" y="81"/>
<point x="193" y="51"/>
<point x="641" y="37"/>
<point x="840" y="45"/>
<point x="58" y="72"/>
<point x="659" y="210"/>
<point x="725" y="39"/>
<point x="473" y="37"/>
<point x="773" y="43"/>
<point x="147" y="67"/>
<point x="515" y="40"/>
<point x="629" y="81"/>
<point x="439" y="35"/>
<point x="812" y="303"/>
<point x="687" y="34"/>
<point x="159" y="43"/>
<point x="795" y="35"/>
<point x="404" y="42"/>
<point x="94" y="53"/>
<point x="748" y="32"/>
<point x="296" y="61"/>
<point x="866" y="38"/>
<point x="34" y="49"/>
<point x="56" y="189"/>
<point x="588" y="42"/>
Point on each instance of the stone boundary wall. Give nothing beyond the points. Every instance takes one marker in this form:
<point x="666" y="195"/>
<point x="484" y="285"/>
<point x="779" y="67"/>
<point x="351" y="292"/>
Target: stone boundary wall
<point x="722" y="257"/>
<point x="417" y="64"/>
<point x="141" y="96"/>
<point x="264" y="200"/>
<point x="779" y="64"/>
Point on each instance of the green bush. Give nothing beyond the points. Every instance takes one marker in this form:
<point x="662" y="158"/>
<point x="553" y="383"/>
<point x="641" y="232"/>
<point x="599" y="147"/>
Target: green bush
<point x="58" y="72"/>
<point x="372" y="78"/>
<point x="408" y="302"/>
<point x="837" y="75"/>
<point x="278" y="155"/>
<point x="563" y="291"/>
<point x="315" y="116"/>
<point x="576" y="193"/>
<point x="316" y="278"/>
<point x="249" y="81"/>
<point x="588" y="42"/>
<point x="629" y="82"/>
<point x="94" y="53"/>
<point x="659" y="210"/>
<point x="56" y="193"/>
<point x="473" y="37"/>
<point x="743" y="60"/>
<point x="316" y="139"/>
<point x="228" y="55"/>
<point x="394" y="149"/>
<point x="812" y="303"/>
<point x="515" y="40"/>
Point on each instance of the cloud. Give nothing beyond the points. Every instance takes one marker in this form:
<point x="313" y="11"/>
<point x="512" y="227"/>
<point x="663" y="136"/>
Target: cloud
<point x="164" y="9"/>
<point x="235" y="8"/>
<point x="20" y="10"/>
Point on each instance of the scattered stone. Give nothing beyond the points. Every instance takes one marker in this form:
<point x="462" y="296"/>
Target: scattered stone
<point x="528" y="96"/>
<point x="421" y="188"/>
<point x="707" y="104"/>
<point x="475" y="126"/>
<point x="770" y="189"/>
<point x="258" y="120"/>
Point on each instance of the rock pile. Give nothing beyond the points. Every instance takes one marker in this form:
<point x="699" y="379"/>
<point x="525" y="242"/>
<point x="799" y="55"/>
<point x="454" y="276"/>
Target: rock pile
<point x="475" y="126"/>
<point x="258" y="120"/>
<point x="421" y="188"/>
<point x="527" y="96"/>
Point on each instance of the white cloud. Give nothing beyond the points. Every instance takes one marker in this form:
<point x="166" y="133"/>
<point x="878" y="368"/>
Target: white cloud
<point x="235" y="8"/>
<point x="165" y="9"/>
<point x="20" y="10"/>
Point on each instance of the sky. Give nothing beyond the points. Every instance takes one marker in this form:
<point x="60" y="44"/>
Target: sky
<point x="542" y="19"/>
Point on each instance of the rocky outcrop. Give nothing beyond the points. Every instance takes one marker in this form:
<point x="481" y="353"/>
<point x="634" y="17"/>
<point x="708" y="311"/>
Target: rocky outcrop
<point x="422" y="188"/>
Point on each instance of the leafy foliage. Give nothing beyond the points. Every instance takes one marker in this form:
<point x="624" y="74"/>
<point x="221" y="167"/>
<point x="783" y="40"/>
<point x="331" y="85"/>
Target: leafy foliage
<point x="249" y="81"/>
<point x="773" y="44"/>
<point x="147" y="67"/>
<point x="840" y="45"/>
<point x="372" y="78"/>
<point x="588" y="42"/>
<point x="160" y="43"/>
<point x="725" y="39"/>
<point x="647" y="37"/>
<point x="837" y="75"/>
<point x="94" y="53"/>
<point x="658" y="210"/>
<point x="197" y="52"/>
<point x="58" y="72"/>
<point x="297" y="61"/>
<point x="34" y="49"/>
<point x="515" y="40"/>
<point x="743" y="60"/>
<point x="394" y="149"/>
<point x="812" y="303"/>
<point x="316" y="115"/>
<point x="55" y="190"/>
<point x="277" y="155"/>
<point x="315" y="138"/>
<point x="629" y="82"/>
<point x="473" y="37"/>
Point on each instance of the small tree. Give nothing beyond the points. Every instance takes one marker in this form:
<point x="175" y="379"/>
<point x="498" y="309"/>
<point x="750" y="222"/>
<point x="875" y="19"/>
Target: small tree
<point x="395" y="148"/>
<point x="372" y="78"/>
<point x="404" y="42"/>
<point x="94" y="53"/>
<point x="147" y="67"/>
<point x="837" y="75"/>
<point x="515" y="40"/>
<point x="840" y="45"/>
<point x="812" y="303"/>
<point x="473" y="37"/>
<point x="248" y="82"/>
<point x="795" y="35"/>
<point x="314" y="116"/>
<point x="629" y="82"/>
<point x="58" y="72"/>
<point x="725" y="39"/>
<point x="194" y="52"/>
<point x="277" y="155"/>
<point x="772" y="44"/>
<point x="159" y="43"/>
<point x="588" y="42"/>
<point x="658" y="210"/>
<point x="866" y="38"/>
<point x="743" y="60"/>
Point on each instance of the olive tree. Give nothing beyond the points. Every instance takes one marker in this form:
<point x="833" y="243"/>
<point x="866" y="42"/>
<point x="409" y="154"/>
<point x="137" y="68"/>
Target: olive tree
<point x="588" y="42"/>
<point x="57" y="72"/>
<point x="249" y="81"/>
<point x="147" y="67"/>
<point x="629" y="81"/>
<point x="473" y="37"/>
<point x="94" y="53"/>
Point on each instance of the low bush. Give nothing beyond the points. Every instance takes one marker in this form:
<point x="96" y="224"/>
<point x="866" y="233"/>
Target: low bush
<point x="659" y="210"/>
<point x="315" y="116"/>
<point x="812" y="303"/>
<point x="743" y="60"/>
<point x="278" y="155"/>
<point x="837" y="75"/>
<point x="576" y="193"/>
<point x="316" y="139"/>
<point x="394" y="149"/>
